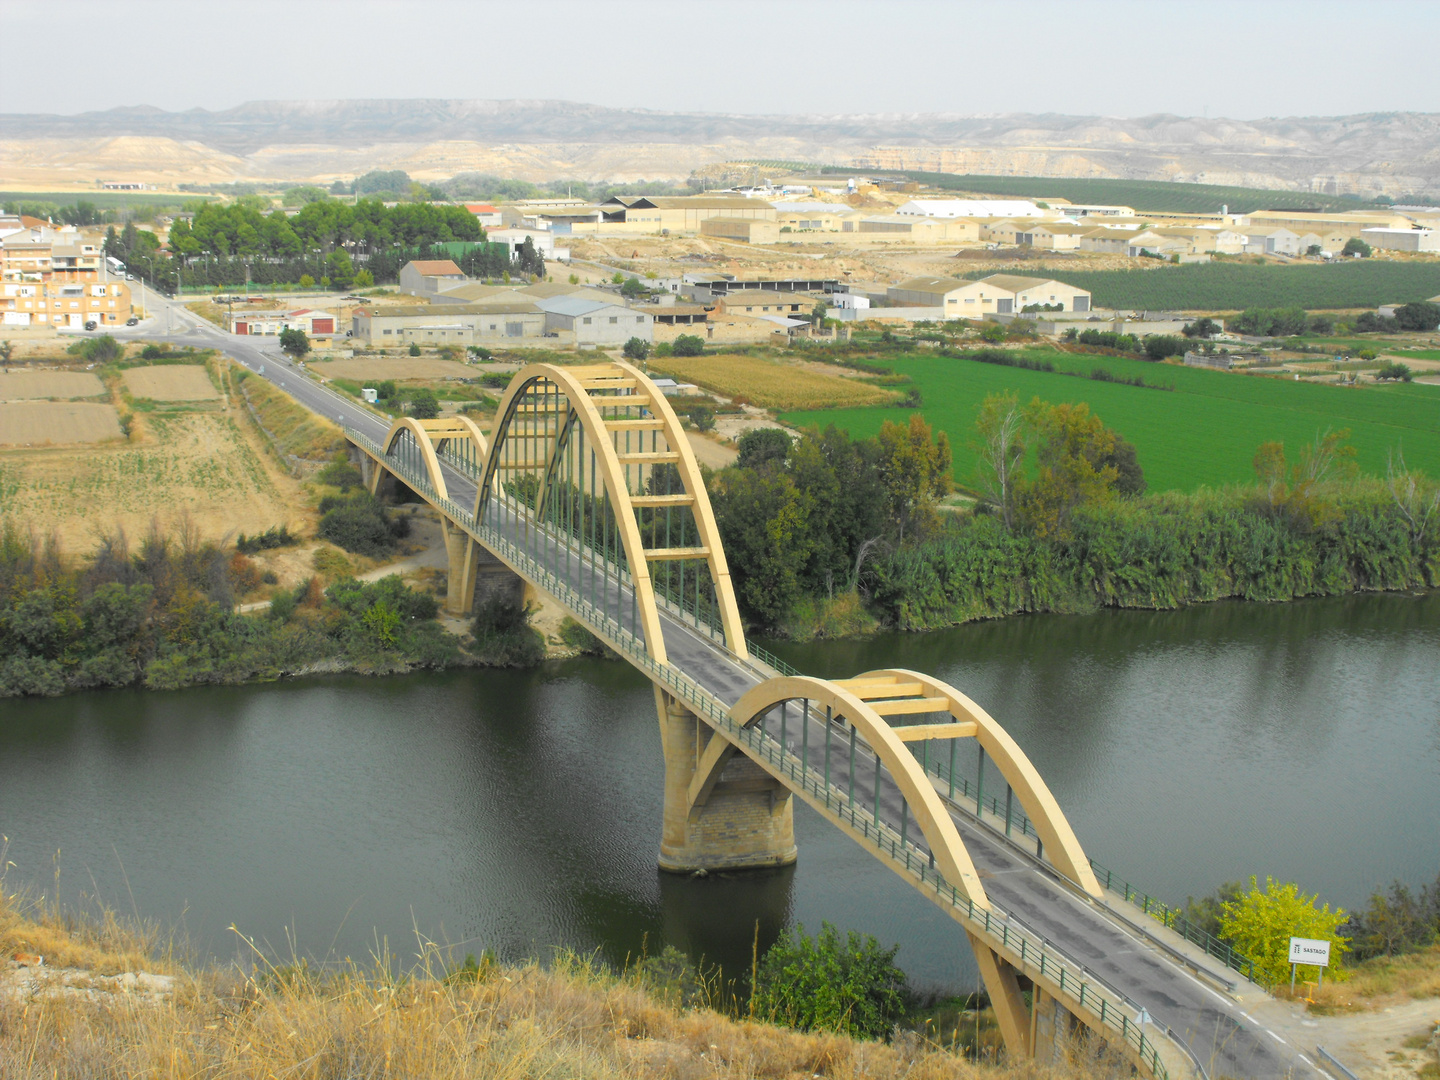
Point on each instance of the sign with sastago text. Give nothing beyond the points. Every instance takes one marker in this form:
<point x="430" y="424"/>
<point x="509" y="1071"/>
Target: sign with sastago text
<point x="1309" y="951"/>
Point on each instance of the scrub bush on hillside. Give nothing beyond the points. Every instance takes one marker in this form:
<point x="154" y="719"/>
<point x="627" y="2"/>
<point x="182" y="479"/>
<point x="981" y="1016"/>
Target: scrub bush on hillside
<point x="163" y="617"/>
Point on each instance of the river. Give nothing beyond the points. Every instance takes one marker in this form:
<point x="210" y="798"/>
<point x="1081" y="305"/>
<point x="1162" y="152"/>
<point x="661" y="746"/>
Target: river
<point x="520" y="811"/>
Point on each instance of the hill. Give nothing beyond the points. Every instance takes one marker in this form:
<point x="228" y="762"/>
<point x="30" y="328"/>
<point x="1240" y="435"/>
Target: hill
<point x="540" y="140"/>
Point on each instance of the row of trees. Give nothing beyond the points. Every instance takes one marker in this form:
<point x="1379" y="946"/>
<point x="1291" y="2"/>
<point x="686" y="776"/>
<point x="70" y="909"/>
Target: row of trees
<point x="1419" y="316"/>
<point x="238" y="229"/>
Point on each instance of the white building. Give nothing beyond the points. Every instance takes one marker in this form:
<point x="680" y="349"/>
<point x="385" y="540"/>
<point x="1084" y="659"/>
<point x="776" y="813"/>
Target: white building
<point x="1402" y="239"/>
<point x="544" y="240"/>
<point x="972" y="208"/>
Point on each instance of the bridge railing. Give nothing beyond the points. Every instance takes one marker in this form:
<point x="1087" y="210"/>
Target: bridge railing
<point x="1175" y="919"/>
<point x="1029" y="951"/>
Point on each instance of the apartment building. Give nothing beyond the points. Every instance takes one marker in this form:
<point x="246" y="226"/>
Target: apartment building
<point x="63" y="303"/>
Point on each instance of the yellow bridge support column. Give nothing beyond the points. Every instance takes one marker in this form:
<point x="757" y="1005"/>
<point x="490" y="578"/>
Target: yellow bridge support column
<point x="746" y="819"/>
<point x="1006" y="999"/>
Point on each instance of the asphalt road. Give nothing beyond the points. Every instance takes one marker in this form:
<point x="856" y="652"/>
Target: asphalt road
<point x="1227" y="1039"/>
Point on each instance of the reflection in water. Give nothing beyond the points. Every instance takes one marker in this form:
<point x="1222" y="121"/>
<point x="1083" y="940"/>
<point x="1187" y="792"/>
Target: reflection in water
<point x="520" y="811"/>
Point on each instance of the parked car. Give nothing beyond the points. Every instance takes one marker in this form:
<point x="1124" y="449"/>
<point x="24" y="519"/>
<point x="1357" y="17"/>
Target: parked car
<point x="132" y="321"/>
<point x="90" y="324"/>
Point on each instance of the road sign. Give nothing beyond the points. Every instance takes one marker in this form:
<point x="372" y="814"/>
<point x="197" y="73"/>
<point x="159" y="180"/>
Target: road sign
<point x="1309" y="951"/>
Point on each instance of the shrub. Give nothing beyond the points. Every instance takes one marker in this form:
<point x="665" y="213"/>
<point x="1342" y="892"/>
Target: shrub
<point x="331" y="564"/>
<point x="702" y="417"/>
<point x="504" y="636"/>
<point x="102" y="349"/>
<point x="340" y="474"/>
<point x="360" y="524"/>
<point x="1159" y="346"/>
<point x="583" y="641"/>
<point x="688" y="345"/>
<point x="1261" y="922"/>
<point x="414" y="349"/>
<point x="1395" y="370"/>
<point x="1420" y="315"/>
<point x="424" y="405"/>
<point x="1356" y="246"/>
<point x="636" y="349"/>
<point x="277" y="536"/>
<point x="851" y="986"/>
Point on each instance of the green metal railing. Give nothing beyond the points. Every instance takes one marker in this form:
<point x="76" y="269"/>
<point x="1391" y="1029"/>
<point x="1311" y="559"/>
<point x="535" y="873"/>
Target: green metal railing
<point x="1028" y="951"/>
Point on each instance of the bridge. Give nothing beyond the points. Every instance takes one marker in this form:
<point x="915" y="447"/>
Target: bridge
<point x="587" y="490"/>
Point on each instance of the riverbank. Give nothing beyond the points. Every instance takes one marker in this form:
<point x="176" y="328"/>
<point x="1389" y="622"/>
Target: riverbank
<point x="110" y="999"/>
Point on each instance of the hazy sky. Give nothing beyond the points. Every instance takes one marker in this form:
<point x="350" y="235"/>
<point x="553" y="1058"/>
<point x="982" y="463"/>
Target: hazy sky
<point x="1113" y="57"/>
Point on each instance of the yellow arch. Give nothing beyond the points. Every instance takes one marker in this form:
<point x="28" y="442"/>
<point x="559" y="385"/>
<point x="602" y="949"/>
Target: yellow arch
<point x="447" y="428"/>
<point x="1057" y="838"/>
<point x="583" y="407"/>
<point x="427" y="450"/>
<point x="933" y="819"/>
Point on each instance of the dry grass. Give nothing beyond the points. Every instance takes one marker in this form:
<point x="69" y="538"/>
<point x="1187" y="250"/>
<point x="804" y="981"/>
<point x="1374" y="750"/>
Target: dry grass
<point x="1378" y="982"/>
<point x="171" y="382"/>
<point x="295" y="431"/>
<point x="402" y="367"/>
<point x="205" y="464"/>
<point x="21" y="385"/>
<point x="56" y="423"/>
<point x="771" y="385"/>
<point x="573" y="1019"/>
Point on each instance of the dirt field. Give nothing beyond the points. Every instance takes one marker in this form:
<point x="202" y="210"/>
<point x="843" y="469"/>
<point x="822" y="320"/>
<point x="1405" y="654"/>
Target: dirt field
<point x="171" y="382"/>
<point x="770" y="384"/>
<point x="22" y="385"/>
<point x="47" y="423"/>
<point x="202" y="464"/>
<point x="410" y="367"/>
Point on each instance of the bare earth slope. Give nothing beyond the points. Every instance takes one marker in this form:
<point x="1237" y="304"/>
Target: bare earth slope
<point x="538" y="140"/>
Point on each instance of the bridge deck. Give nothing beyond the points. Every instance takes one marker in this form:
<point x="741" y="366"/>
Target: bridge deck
<point x="1024" y="891"/>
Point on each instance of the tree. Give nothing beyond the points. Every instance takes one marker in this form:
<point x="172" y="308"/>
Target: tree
<point x="341" y="268"/>
<point x="760" y="447"/>
<point x="1261" y="922"/>
<point x="632" y="288"/>
<point x="529" y="259"/>
<point x="914" y="470"/>
<point x="688" y="345"/>
<point x="1000" y="444"/>
<point x="767" y="535"/>
<point x="1356" y="246"/>
<point x="414" y="349"/>
<point x="363" y="279"/>
<point x="1395" y="370"/>
<point x="1420" y="315"/>
<point x="1074" y="451"/>
<point x="851" y="986"/>
<point x="424" y="405"/>
<point x="703" y="418"/>
<point x="1159" y="346"/>
<point x="294" y="341"/>
<point x="636" y="349"/>
<point x="1396" y="922"/>
<point x="1202" y="328"/>
<point x="993" y="332"/>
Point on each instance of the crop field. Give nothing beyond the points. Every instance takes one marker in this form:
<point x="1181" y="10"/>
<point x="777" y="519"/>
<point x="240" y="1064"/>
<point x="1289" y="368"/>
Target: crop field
<point x="1140" y="194"/>
<point x="200" y="464"/>
<point x="55" y="423"/>
<point x="1203" y="433"/>
<point x="66" y="385"/>
<point x="104" y="200"/>
<point x="1227" y="286"/>
<point x="377" y="367"/>
<point x="771" y="385"/>
<point x="171" y="382"/>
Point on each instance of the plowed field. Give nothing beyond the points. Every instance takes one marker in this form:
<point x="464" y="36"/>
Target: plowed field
<point x="171" y="382"/>
<point x="47" y="423"/>
<point x="22" y="385"/>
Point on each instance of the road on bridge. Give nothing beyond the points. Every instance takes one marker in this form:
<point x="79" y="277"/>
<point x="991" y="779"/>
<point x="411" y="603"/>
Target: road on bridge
<point x="1221" y="1030"/>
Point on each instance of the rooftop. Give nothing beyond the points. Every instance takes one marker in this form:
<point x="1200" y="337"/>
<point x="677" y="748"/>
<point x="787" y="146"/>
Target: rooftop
<point x="437" y="267"/>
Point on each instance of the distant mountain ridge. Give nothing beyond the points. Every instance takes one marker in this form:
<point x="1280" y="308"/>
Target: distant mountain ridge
<point x="1367" y="153"/>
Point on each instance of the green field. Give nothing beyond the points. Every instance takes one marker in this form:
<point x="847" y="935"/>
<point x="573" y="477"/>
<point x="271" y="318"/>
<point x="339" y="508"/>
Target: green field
<point x="1204" y="433"/>
<point x="1140" y="194"/>
<point x="1227" y="286"/>
<point x="104" y="200"/>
